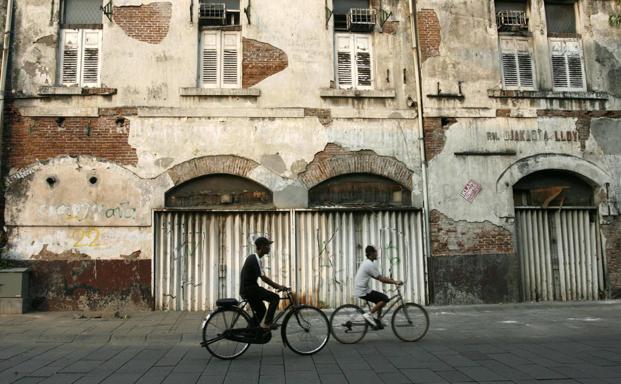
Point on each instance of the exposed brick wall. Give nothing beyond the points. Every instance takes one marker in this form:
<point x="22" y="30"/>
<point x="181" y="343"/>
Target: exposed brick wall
<point x="30" y="139"/>
<point x="428" y="33"/>
<point x="148" y="23"/>
<point x="334" y="161"/>
<point x="228" y="164"/>
<point x="260" y="61"/>
<point x="91" y="285"/>
<point x="451" y="238"/>
<point x="391" y="27"/>
<point x="612" y="236"/>
<point x="435" y="135"/>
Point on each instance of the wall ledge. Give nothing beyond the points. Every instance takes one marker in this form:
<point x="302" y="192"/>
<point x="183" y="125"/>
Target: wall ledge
<point x="76" y="91"/>
<point x="514" y="94"/>
<point x="358" y="93"/>
<point x="220" y="92"/>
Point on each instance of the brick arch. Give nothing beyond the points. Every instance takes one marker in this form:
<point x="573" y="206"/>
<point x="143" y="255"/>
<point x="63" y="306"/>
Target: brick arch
<point x="201" y="166"/>
<point x="335" y="161"/>
<point x="589" y="171"/>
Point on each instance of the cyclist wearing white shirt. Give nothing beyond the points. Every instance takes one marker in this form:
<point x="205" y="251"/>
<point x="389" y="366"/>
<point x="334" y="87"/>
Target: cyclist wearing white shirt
<point x="367" y="270"/>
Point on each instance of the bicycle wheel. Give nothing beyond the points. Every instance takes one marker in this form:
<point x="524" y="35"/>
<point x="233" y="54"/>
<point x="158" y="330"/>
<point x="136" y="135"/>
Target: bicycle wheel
<point x="219" y="321"/>
<point x="347" y="324"/>
<point x="305" y="330"/>
<point x="410" y="322"/>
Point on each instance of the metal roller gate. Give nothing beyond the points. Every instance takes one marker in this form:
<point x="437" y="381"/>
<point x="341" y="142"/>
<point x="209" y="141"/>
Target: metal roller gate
<point x="199" y="254"/>
<point x="560" y="253"/>
<point x="330" y="247"/>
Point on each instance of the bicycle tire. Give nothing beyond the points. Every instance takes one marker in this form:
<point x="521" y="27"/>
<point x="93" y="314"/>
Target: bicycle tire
<point x="410" y="322"/>
<point x="220" y="320"/>
<point x="305" y="330"/>
<point x="347" y="324"/>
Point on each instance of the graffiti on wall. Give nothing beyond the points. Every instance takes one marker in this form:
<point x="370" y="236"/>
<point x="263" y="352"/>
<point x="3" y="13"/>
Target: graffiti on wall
<point x="78" y="212"/>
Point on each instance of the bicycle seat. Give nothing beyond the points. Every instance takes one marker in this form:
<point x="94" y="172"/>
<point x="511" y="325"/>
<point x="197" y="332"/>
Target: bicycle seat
<point x="226" y="303"/>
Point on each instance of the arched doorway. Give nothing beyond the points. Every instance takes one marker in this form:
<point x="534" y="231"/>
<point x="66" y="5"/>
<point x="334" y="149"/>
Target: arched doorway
<point x="349" y="212"/>
<point x="558" y="237"/>
<point x="202" y="237"/>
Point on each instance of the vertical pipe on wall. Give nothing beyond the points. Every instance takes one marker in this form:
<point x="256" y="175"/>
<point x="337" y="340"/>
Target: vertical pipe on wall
<point x="3" y="75"/>
<point x="421" y="137"/>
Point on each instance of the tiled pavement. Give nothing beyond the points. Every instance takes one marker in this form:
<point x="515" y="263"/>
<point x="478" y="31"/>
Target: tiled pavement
<point x="565" y="343"/>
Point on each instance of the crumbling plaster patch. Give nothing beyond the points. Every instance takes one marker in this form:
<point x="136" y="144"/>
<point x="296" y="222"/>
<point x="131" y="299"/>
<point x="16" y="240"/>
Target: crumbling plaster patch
<point x="156" y="138"/>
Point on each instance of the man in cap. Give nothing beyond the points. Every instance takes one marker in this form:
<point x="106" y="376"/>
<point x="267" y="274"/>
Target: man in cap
<point x="250" y="290"/>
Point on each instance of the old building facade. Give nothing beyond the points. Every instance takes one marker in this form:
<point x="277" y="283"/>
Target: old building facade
<point x="146" y="144"/>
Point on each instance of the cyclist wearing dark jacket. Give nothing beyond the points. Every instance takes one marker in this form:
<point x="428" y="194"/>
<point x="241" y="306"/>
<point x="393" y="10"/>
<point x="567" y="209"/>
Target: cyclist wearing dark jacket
<point x="249" y="287"/>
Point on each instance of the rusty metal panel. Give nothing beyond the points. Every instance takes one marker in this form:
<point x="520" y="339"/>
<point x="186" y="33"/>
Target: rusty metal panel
<point x="199" y="255"/>
<point x="330" y="247"/>
<point x="561" y="245"/>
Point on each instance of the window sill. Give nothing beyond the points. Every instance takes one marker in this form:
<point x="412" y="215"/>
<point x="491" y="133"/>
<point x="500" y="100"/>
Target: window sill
<point x="514" y="94"/>
<point x="76" y="91"/>
<point x="358" y="93"/>
<point x="220" y="92"/>
<point x="236" y="27"/>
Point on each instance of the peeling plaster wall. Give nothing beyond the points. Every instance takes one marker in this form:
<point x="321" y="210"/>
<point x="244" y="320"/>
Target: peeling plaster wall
<point x="494" y="139"/>
<point x="145" y="138"/>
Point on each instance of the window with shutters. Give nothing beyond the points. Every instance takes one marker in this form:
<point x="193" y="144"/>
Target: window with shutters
<point x="80" y="43"/>
<point x="220" y="59"/>
<point x="566" y="54"/>
<point x="567" y="65"/>
<point x="80" y="59"/>
<point x="516" y="58"/>
<point x="354" y="64"/>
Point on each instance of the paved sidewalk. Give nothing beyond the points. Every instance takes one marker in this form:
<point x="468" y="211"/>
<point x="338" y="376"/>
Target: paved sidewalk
<point x="528" y="343"/>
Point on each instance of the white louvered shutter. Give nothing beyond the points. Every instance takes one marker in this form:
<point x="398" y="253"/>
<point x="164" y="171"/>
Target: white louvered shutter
<point x="567" y="65"/>
<point x="91" y="57"/>
<point x="210" y="68"/>
<point x="70" y="57"/>
<point x="517" y="63"/>
<point x="231" y="60"/>
<point x="364" y="74"/>
<point x="344" y="67"/>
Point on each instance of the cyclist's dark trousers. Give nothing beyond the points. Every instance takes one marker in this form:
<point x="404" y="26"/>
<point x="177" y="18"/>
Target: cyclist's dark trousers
<point x="256" y="296"/>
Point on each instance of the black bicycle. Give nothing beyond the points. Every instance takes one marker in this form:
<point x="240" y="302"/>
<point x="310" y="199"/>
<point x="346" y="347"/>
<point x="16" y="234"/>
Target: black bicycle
<point x="410" y="321"/>
<point x="229" y="330"/>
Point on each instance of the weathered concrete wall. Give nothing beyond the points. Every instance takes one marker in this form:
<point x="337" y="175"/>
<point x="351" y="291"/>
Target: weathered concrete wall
<point x="494" y="137"/>
<point x="144" y="137"/>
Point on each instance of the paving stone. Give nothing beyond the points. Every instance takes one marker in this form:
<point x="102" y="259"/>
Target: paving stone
<point x="423" y="376"/>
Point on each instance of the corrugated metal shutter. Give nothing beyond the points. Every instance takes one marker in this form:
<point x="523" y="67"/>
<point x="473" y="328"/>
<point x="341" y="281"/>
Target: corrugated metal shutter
<point x="330" y="247"/>
<point x="199" y="255"/>
<point x="560" y="253"/>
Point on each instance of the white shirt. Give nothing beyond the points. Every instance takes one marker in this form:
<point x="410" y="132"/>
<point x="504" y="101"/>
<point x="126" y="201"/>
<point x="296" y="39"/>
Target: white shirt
<point x="367" y="270"/>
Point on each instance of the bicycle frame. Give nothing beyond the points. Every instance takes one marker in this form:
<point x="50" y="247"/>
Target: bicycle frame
<point x="392" y="304"/>
<point x="242" y="307"/>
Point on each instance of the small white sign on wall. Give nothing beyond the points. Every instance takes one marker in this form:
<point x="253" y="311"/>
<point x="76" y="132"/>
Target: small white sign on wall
<point x="470" y="191"/>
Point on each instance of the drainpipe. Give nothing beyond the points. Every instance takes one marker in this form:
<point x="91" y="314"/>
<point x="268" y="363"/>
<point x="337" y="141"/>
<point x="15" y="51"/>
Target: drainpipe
<point x="3" y="75"/>
<point x="421" y="137"/>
